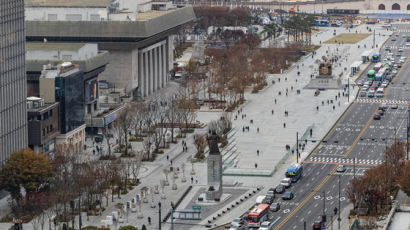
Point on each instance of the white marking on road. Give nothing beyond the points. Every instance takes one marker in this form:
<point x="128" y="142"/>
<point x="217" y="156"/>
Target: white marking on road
<point x="316" y="205"/>
<point x="309" y="212"/>
<point x="286" y="211"/>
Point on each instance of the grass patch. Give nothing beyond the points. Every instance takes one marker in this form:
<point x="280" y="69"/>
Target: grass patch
<point x="348" y="38"/>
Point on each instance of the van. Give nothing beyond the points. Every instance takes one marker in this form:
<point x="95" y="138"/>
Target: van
<point x="260" y="200"/>
<point x="380" y="92"/>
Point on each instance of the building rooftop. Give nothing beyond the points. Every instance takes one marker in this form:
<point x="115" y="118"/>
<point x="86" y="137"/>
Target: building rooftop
<point x="68" y="3"/>
<point x="144" y="16"/>
<point x="47" y="46"/>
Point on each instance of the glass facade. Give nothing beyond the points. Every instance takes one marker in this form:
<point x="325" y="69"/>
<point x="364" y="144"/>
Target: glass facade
<point x="70" y="94"/>
<point x="13" y="115"/>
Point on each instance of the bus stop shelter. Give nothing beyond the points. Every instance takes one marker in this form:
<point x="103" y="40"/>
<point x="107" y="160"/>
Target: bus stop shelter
<point x="355" y="67"/>
<point x="366" y="56"/>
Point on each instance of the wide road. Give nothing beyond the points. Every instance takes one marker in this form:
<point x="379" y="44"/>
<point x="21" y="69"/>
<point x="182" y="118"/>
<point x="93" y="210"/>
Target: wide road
<point x="356" y="141"/>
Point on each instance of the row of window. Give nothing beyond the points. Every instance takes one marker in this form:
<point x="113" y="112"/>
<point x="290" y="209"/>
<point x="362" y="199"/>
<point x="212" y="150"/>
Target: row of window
<point x="12" y="94"/>
<point x="74" y="17"/>
<point x="47" y="130"/>
<point x="395" y="6"/>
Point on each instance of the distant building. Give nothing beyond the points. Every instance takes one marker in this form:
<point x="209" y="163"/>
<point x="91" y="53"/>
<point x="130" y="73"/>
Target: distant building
<point x="91" y="61"/>
<point x="13" y="115"/>
<point x="43" y="125"/>
<point x="137" y="33"/>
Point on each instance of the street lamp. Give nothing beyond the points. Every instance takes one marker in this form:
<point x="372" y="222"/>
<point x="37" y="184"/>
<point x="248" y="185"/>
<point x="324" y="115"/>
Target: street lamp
<point x="159" y="215"/>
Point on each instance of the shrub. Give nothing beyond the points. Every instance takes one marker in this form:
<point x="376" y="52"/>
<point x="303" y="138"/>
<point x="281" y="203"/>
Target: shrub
<point x="6" y="218"/>
<point x="128" y="227"/>
<point x="132" y="138"/>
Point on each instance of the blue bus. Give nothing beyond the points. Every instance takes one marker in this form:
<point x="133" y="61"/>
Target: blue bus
<point x="294" y="172"/>
<point x="376" y="57"/>
<point x="322" y="23"/>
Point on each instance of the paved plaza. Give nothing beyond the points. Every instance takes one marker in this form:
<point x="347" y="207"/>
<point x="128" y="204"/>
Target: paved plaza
<point x="305" y="111"/>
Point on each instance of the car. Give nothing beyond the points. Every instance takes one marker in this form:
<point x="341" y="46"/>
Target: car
<point x="365" y="88"/>
<point x="384" y="59"/>
<point x="269" y="199"/>
<point x="398" y="65"/>
<point x="237" y="222"/>
<point x="387" y="48"/>
<point x="341" y="168"/>
<point x="363" y="93"/>
<point x="393" y="39"/>
<point x="376" y="117"/>
<point x="370" y="94"/>
<point x="359" y="82"/>
<point x="403" y="36"/>
<point x="400" y="50"/>
<point x="287" y="196"/>
<point x="398" y="54"/>
<point x="402" y="60"/>
<point x="385" y="106"/>
<point x="265" y="225"/>
<point x="395" y="66"/>
<point x="317" y="225"/>
<point x="384" y="85"/>
<point x="372" y="89"/>
<point x="274" y="207"/>
<point x="381" y="112"/>
<point x="394" y="71"/>
<point x="271" y="192"/>
<point x="280" y="189"/>
<point x="394" y="106"/>
<point x="98" y="138"/>
<point x="286" y="182"/>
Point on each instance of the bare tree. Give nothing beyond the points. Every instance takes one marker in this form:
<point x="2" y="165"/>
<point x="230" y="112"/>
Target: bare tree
<point x="124" y="123"/>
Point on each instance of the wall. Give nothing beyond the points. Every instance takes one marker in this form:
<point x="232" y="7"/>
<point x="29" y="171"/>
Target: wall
<point x="84" y="53"/>
<point x="42" y="13"/>
<point x="47" y="89"/>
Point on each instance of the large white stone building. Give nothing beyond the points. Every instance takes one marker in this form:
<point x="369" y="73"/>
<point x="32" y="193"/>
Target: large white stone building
<point x="137" y="33"/>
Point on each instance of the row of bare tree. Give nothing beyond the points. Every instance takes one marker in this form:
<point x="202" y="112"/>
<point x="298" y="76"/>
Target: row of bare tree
<point x="156" y="122"/>
<point x="374" y="189"/>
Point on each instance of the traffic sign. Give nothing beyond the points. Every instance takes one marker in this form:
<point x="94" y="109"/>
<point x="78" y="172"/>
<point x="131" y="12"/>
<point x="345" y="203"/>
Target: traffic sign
<point x="323" y="227"/>
<point x="196" y="207"/>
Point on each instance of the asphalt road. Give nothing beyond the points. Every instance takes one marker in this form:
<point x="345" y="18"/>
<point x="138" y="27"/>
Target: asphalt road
<point x="356" y="137"/>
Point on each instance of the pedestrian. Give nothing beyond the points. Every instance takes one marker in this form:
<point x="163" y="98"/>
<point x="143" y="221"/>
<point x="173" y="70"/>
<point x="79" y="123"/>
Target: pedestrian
<point x="286" y="79"/>
<point x="284" y="125"/>
<point x="275" y="100"/>
<point x="257" y="152"/>
<point x="291" y="88"/>
<point x="149" y="221"/>
<point x="196" y="181"/>
<point x="286" y="93"/>
<point x="278" y="79"/>
<point x="171" y="162"/>
<point x="167" y="157"/>
<point x="192" y="180"/>
<point x="287" y="90"/>
<point x="338" y="103"/>
<point x="327" y="101"/>
<point x="256" y="165"/>
<point x="257" y="130"/>
<point x="93" y="151"/>
<point x="243" y="129"/>
<point x="272" y="111"/>
<point x="251" y="121"/>
<point x="333" y="107"/>
<point x="317" y="108"/>
<point x="236" y="117"/>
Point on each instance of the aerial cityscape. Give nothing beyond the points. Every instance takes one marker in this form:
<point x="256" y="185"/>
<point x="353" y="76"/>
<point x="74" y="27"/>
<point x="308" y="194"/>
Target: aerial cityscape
<point x="206" y="114"/>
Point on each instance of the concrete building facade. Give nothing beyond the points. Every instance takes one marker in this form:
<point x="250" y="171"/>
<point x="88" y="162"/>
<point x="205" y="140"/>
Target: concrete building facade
<point x="137" y="34"/>
<point x="13" y="115"/>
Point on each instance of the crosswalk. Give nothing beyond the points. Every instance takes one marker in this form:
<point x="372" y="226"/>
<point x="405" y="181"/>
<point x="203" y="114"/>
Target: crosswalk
<point x="379" y="101"/>
<point x="347" y="161"/>
<point x="402" y="30"/>
<point x="396" y="47"/>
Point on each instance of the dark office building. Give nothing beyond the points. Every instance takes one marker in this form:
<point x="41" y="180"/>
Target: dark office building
<point x="13" y="115"/>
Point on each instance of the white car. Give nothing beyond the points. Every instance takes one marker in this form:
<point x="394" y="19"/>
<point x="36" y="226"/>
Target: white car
<point x="286" y="182"/>
<point x="265" y="225"/>
<point x="394" y="71"/>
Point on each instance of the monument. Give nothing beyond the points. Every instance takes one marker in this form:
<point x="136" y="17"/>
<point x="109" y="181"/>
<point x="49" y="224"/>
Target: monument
<point x="325" y="79"/>
<point x="214" y="163"/>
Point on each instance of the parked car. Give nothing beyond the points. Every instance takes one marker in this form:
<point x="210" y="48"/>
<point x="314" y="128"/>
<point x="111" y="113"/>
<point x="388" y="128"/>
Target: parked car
<point x="274" y="207"/>
<point x="286" y="182"/>
<point x="341" y="168"/>
<point x="280" y="189"/>
<point x="287" y="196"/>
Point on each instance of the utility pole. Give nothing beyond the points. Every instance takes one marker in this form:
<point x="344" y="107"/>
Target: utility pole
<point x="324" y="214"/>
<point x="297" y="147"/>
<point x="348" y="89"/>
<point x="374" y="37"/>
<point x="172" y="218"/>
<point x="338" y="218"/>
<point x="159" y="215"/>
<point x="304" y="225"/>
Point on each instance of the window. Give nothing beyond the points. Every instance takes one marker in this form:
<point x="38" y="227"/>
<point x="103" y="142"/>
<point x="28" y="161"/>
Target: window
<point x="95" y="17"/>
<point x="51" y="128"/>
<point x="52" y="17"/>
<point x="67" y="57"/>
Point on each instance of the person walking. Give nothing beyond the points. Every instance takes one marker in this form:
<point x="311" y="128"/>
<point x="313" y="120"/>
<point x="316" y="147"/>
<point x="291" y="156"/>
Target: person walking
<point x="257" y="152"/>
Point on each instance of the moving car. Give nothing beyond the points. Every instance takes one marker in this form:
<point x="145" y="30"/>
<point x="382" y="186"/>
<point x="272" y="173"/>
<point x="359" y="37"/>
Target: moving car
<point x="317" y="225"/>
<point x="237" y="222"/>
<point x="280" y="189"/>
<point x="269" y="199"/>
<point x="286" y="182"/>
<point x="381" y="112"/>
<point x="341" y="168"/>
<point x="287" y="196"/>
<point x="394" y="106"/>
<point x="274" y="207"/>
<point x="376" y="117"/>
<point x="363" y="93"/>
<point x="359" y="83"/>
<point x="265" y="225"/>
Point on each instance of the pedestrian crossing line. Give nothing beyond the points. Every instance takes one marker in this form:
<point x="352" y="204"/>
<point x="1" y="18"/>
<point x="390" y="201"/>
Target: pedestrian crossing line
<point x="378" y="101"/>
<point x="344" y="161"/>
<point x="396" y="47"/>
<point x="402" y="30"/>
